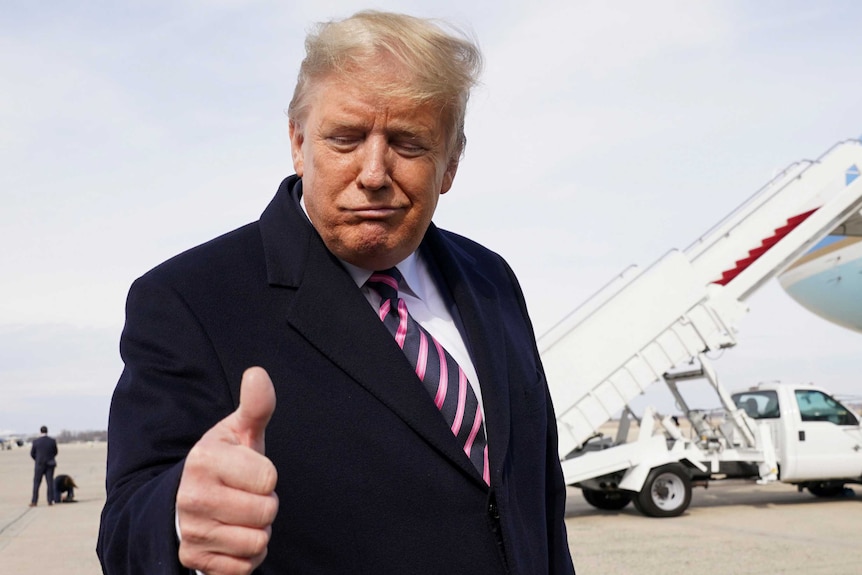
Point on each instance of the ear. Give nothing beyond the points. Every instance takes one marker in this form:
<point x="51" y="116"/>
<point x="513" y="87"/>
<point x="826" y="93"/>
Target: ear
<point x="449" y="174"/>
<point x="297" y="137"/>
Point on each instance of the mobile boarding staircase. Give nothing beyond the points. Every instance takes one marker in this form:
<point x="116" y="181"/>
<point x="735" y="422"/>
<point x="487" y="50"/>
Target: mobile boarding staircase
<point x="645" y="324"/>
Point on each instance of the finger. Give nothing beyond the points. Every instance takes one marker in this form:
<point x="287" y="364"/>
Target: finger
<point x="234" y="540"/>
<point x="206" y="560"/>
<point x="214" y="464"/>
<point x="257" y="480"/>
<point x="256" y="406"/>
<point x="228" y="507"/>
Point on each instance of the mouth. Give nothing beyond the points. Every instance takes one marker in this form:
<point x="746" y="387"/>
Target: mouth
<point x="374" y="212"/>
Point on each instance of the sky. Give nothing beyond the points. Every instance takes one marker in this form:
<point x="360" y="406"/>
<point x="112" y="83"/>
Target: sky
<point x="603" y="134"/>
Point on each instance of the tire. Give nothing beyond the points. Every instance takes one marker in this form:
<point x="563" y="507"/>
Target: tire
<point x="826" y="489"/>
<point x="666" y="492"/>
<point x="607" y="500"/>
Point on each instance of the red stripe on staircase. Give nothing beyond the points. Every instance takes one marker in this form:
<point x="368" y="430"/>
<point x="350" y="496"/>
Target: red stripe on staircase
<point x="764" y="247"/>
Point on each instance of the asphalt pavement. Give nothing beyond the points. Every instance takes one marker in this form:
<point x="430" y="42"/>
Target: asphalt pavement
<point x="733" y="528"/>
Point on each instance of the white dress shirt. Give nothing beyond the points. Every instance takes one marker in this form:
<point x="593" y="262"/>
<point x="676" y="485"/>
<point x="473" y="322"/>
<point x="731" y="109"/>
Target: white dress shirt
<point x="427" y="306"/>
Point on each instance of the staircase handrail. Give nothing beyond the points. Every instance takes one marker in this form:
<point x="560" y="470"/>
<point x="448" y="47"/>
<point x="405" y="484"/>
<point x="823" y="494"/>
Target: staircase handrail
<point x="581" y="309"/>
<point x="744" y="210"/>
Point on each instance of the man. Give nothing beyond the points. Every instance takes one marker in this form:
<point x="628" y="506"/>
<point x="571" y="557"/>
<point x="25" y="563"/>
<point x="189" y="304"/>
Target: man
<point x="413" y="432"/>
<point x="43" y="451"/>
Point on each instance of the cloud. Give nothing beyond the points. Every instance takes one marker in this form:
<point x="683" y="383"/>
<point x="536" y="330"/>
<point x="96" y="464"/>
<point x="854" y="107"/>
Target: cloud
<point x="604" y="134"/>
<point x="38" y="360"/>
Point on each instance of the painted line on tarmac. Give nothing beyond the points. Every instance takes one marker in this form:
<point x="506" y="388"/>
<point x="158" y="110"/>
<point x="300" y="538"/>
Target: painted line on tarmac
<point x="5" y="540"/>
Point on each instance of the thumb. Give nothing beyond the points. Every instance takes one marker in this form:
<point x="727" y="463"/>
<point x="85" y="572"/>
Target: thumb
<point x="256" y="406"/>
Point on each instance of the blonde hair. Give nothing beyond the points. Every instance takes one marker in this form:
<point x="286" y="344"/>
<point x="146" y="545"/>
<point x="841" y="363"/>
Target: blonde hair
<point x="441" y="64"/>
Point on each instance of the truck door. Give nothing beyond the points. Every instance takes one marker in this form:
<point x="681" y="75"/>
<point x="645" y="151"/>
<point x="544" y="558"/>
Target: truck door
<point x="826" y="442"/>
<point x="762" y="405"/>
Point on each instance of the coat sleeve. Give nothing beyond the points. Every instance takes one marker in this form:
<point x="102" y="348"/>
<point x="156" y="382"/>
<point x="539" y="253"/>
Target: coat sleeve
<point x="171" y="391"/>
<point x="559" y="555"/>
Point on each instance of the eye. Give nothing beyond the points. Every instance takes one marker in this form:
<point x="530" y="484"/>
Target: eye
<point x="344" y="142"/>
<point x="409" y="148"/>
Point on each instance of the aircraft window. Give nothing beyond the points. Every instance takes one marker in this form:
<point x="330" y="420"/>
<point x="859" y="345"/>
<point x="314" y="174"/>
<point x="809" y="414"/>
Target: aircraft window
<point x="817" y="406"/>
<point x="758" y="404"/>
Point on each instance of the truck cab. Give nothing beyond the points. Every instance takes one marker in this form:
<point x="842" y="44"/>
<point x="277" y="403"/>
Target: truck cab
<point x="818" y="440"/>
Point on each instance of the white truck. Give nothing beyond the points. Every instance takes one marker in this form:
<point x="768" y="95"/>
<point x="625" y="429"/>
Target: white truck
<point x="797" y="434"/>
<point x="659" y="325"/>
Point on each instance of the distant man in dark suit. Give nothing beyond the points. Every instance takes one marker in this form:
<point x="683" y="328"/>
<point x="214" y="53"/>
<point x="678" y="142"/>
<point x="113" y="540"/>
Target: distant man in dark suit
<point x="43" y="451"/>
<point x="413" y="432"/>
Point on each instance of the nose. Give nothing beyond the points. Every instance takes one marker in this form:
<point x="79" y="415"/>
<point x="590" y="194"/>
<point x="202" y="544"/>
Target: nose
<point x="374" y="168"/>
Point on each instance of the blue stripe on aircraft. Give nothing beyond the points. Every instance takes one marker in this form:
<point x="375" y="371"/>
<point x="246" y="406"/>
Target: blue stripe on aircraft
<point x="851" y="174"/>
<point x="827" y="241"/>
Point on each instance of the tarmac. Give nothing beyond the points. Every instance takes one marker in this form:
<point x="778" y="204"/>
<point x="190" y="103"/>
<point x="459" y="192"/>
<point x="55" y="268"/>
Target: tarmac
<point x="57" y="539"/>
<point x="732" y="528"/>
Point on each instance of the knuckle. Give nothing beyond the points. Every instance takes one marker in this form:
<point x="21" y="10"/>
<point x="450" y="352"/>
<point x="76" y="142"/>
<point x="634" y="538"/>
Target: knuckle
<point x="208" y="564"/>
<point x="269" y="510"/>
<point x="193" y="533"/>
<point x="186" y="497"/>
<point x="256" y="561"/>
<point x="267" y="478"/>
<point x="189" y="557"/>
<point x="258" y="543"/>
<point x="191" y="500"/>
<point x="196" y="455"/>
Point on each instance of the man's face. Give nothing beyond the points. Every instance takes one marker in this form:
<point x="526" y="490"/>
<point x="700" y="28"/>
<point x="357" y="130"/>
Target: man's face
<point x="372" y="169"/>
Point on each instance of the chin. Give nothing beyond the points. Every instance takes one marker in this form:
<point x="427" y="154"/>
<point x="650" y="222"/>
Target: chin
<point x="375" y="256"/>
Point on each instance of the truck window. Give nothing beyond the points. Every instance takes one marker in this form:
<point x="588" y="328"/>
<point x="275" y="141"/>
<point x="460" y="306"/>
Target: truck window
<point x="817" y="406"/>
<point x="758" y="404"/>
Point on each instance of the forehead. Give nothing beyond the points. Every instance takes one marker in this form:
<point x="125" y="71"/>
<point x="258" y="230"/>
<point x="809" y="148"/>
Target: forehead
<point x="362" y="97"/>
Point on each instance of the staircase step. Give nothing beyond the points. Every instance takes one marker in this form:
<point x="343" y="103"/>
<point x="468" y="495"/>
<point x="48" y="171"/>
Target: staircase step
<point x="798" y="219"/>
<point x="757" y="252"/>
<point x="744" y="263"/>
<point x="770" y="241"/>
<point x="765" y="245"/>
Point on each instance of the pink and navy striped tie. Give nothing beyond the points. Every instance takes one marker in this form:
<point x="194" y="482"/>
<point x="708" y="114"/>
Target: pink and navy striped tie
<point x="439" y="372"/>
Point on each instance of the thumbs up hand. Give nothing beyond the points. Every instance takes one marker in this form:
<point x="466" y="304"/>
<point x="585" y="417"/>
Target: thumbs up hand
<point x="226" y="500"/>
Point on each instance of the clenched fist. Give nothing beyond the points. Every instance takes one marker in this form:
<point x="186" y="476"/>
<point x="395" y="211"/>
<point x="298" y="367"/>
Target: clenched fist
<point x="226" y="501"/>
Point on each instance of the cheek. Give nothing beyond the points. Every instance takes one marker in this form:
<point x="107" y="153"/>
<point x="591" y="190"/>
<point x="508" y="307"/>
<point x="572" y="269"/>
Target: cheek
<point x="332" y="172"/>
<point x="427" y="197"/>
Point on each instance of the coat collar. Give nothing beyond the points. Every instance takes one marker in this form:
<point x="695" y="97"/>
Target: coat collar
<point x="333" y="316"/>
<point x="286" y="234"/>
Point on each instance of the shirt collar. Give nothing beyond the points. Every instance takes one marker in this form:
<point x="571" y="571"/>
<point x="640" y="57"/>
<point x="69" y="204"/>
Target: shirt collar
<point x="408" y="267"/>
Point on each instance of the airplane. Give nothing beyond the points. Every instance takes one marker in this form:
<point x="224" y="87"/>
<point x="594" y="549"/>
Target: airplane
<point x="827" y="280"/>
<point x="8" y="440"/>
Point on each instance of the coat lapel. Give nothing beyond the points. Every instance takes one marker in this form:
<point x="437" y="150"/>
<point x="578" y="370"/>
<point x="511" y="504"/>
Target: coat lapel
<point x="334" y="317"/>
<point x="478" y="306"/>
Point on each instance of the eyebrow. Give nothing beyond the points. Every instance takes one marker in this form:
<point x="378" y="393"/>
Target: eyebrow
<point x="414" y="133"/>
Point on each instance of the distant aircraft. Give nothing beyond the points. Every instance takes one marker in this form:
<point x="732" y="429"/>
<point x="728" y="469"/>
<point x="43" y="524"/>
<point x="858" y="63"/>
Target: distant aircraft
<point x="828" y="279"/>
<point x="8" y="440"/>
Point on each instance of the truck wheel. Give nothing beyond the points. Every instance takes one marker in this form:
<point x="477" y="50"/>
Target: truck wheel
<point x="606" y="500"/>
<point x="666" y="492"/>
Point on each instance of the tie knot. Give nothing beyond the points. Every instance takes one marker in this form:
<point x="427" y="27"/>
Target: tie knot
<point x="385" y="283"/>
